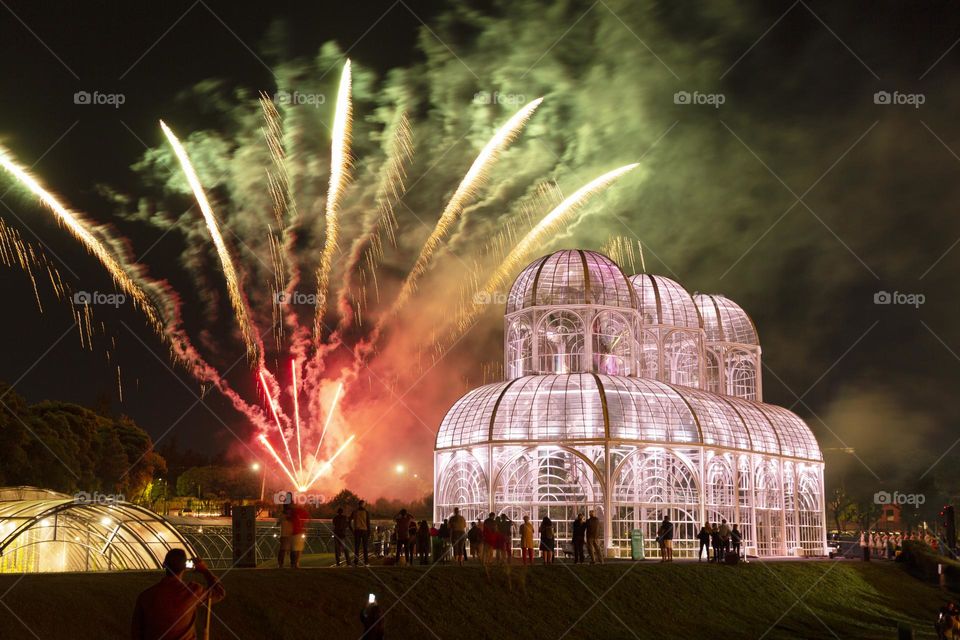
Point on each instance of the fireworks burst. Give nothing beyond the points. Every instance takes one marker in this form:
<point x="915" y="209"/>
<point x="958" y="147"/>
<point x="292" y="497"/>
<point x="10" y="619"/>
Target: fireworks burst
<point x="317" y="384"/>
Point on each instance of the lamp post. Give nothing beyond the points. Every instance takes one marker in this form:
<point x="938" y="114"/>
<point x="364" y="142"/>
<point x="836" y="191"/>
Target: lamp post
<point x="256" y="466"/>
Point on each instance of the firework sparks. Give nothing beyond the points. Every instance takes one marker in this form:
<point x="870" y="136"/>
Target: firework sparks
<point x="229" y="271"/>
<point x="547" y="226"/>
<point x="81" y="230"/>
<point x="339" y="175"/>
<point x="466" y="190"/>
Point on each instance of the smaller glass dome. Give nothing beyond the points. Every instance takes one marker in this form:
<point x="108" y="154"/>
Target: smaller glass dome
<point x="725" y="321"/>
<point x="663" y="301"/>
<point x="571" y="277"/>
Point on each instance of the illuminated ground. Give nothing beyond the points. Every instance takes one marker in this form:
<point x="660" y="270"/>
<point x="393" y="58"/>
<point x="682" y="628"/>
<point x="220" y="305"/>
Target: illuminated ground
<point x="847" y="598"/>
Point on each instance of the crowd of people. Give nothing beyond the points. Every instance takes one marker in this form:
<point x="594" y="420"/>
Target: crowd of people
<point x="723" y="539"/>
<point x="488" y="540"/>
<point x="885" y="545"/>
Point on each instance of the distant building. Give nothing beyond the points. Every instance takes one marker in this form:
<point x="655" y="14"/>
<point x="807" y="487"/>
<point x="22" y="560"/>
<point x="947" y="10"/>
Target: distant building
<point x="632" y="398"/>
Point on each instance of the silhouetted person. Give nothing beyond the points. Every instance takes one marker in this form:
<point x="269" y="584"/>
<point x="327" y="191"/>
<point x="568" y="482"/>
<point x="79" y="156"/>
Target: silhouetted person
<point x="665" y="535"/>
<point x="168" y="609"/>
<point x="704" y="538"/>
<point x="579" y="538"/>
<point x="360" y="523"/>
<point x="372" y="619"/>
<point x="403" y="534"/>
<point x="458" y="535"/>
<point x="340" y="524"/>
<point x="423" y="542"/>
<point x="735" y="538"/>
<point x="593" y="526"/>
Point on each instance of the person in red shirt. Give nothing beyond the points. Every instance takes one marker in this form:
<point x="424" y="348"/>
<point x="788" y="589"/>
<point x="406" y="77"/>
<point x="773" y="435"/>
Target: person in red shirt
<point x="168" y="609"/>
<point x="298" y="521"/>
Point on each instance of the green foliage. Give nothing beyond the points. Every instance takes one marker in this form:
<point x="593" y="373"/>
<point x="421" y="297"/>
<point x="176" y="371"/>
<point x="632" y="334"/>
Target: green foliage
<point x="66" y="447"/>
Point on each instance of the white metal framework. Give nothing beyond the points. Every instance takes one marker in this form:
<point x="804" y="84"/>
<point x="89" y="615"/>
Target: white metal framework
<point x="629" y="397"/>
<point x="44" y="531"/>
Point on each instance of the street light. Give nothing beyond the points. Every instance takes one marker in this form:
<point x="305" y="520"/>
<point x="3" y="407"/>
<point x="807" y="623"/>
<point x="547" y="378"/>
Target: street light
<point x="400" y="468"/>
<point x="256" y="466"/>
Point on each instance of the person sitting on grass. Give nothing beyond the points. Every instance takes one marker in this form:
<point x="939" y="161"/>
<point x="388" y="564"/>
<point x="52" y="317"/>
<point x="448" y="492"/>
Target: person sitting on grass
<point x="168" y="609"/>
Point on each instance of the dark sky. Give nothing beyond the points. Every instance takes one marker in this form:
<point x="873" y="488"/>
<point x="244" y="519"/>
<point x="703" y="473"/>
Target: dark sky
<point x="799" y="79"/>
<point x="149" y="53"/>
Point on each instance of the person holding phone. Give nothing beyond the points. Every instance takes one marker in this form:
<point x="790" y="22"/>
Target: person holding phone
<point x="168" y="609"/>
<point x="372" y="619"/>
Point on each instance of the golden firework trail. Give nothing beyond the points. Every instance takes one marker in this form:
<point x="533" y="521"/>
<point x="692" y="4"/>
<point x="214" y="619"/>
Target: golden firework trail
<point x="229" y="271"/>
<point x="80" y="228"/>
<point x="379" y="223"/>
<point x="339" y="175"/>
<point x="466" y="190"/>
<point x="547" y="226"/>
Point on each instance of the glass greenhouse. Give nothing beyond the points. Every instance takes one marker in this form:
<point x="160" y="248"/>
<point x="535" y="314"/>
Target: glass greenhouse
<point x="45" y="531"/>
<point x="634" y="399"/>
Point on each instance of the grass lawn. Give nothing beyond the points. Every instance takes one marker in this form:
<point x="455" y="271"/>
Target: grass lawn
<point x="791" y="599"/>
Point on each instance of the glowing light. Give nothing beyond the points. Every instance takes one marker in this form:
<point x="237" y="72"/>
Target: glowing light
<point x="339" y="174"/>
<point x="400" y="468"/>
<point x="535" y="237"/>
<point x="326" y="423"/>
<point x="45" y="522"/>
<point x="106" y="522"/>
<point x="296" y="410"/>
<point x="255" y="466"/>
<point x="325" y="466"/>
<point x="81" y="230"/>
<point x="466" y="190"/>
<point x="229" y="272"/>
<point x="276" y="418"/>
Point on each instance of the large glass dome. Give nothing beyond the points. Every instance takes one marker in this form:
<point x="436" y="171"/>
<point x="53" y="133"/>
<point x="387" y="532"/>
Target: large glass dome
<point x="663" y="301"/>
<point x="725" y="321"/>
<point x="572" y="277"/>
<point x="633" y="399"/>
<point x="586" y="407"/>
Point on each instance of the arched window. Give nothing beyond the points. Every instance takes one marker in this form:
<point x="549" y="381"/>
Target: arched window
<point x="741" y="375"/>
<point x="712" y="372"/>
<point x="463" y="484"/>
<point x="653" y="483"/>
<point x="612" y="339"/>
<point x="810" y="512"/>
<point x="681" y="358"/>
<point x="768" y="507"/>
<point x="720" y="490"/>
<point x="519" y="349"/>
<point x="648" y="351"/>
<point x="560" y="342"/>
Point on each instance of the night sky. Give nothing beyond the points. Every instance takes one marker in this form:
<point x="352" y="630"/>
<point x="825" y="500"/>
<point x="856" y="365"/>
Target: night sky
<point x="716" y="206"/>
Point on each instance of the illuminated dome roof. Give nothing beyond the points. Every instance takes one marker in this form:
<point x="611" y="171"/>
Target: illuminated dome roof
<point x="595" y="407"/>
<point x="725" y="321"/>
<point x="660" y="300"/>
<point x="571" y="277"/>
<point x="46" y="531"/>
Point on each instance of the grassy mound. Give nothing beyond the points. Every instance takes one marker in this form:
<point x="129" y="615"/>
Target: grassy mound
<point x="817" y="599"/>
